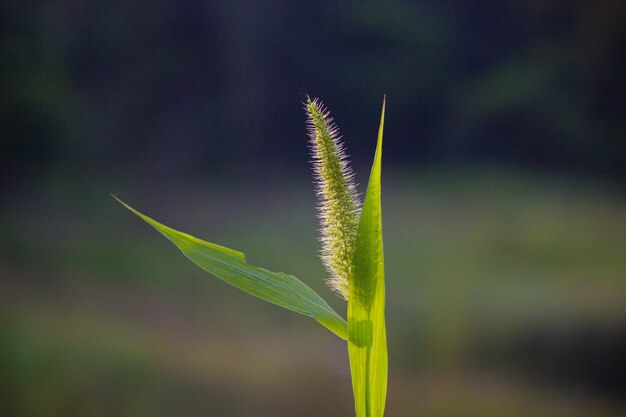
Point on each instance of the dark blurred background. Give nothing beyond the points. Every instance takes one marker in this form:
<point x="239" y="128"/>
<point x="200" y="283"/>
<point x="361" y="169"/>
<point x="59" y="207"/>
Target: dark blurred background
<point x="504" y="203"/>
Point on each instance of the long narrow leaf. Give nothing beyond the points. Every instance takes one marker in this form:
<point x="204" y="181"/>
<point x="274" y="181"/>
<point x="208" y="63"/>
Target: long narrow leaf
<point x="367" y="339"/>
<point x="230" y="266"/>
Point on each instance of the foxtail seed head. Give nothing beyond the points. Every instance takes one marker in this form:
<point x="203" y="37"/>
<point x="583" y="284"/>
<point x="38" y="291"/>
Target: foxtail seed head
<point x="339" y="207"/>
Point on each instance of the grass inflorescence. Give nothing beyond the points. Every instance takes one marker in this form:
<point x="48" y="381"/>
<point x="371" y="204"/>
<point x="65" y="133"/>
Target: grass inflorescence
<point x="339" y="207"/>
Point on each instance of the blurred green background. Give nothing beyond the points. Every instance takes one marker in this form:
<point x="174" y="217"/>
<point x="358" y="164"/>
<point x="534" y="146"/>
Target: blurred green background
<point x="503" y="198"/>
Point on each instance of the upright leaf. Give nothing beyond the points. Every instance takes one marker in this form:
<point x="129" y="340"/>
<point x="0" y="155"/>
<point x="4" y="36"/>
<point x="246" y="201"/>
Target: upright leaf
<point x="367" y="339"/>
<point x="230" y="266"/>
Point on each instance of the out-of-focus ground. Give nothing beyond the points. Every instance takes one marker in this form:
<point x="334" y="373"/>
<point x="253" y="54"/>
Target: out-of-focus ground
<point x="505" y="298"/>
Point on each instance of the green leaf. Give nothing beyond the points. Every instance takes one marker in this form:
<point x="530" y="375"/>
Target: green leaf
<point x="230" y="266"/>
<point x="367" y="336"/>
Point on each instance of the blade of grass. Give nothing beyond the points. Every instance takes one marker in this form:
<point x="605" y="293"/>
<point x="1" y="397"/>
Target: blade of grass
<point x="230" y="266"/>
<point x="367" y="339"/>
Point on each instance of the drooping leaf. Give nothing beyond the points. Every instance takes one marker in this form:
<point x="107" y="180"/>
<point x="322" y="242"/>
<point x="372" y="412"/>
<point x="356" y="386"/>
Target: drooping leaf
<point x="367" y="338"/>
<point x="230" y="266"/>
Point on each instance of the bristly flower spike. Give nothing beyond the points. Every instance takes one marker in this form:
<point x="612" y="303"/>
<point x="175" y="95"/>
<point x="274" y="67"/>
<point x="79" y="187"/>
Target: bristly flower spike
<point x="339" y="206"/>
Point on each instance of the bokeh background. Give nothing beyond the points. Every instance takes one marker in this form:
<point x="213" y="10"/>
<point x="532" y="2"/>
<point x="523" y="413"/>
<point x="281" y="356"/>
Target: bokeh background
<point x="503" y="196"/>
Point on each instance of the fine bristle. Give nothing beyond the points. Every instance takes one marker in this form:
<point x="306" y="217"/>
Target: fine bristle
<point x="339" y="206"/>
